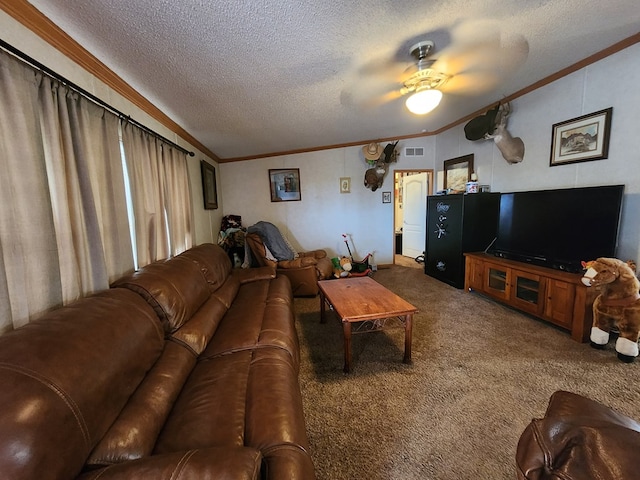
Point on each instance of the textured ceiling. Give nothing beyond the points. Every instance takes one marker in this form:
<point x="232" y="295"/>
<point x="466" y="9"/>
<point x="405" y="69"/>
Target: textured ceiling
<point x="256" y="77"/>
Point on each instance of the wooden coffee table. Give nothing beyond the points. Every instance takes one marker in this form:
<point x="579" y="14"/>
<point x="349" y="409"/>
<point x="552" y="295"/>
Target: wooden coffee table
<point x="362" y="299"/>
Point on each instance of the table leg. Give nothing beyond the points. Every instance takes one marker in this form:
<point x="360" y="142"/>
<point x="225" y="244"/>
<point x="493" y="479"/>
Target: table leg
<point x="346" y="328"/>
<point x="408" y="326"/>
<point x="323" y="306"/>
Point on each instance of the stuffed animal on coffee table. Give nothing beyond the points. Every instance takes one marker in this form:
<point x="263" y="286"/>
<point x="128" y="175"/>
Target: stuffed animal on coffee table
<point x="617" y="305"/>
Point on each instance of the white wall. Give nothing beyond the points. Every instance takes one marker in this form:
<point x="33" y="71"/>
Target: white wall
<point x="206" y="222"/>
<point x="323" y="214"/>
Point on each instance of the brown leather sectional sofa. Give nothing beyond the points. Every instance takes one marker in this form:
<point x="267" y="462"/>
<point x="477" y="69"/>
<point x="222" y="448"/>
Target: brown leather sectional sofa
<point x="186" y="369"/>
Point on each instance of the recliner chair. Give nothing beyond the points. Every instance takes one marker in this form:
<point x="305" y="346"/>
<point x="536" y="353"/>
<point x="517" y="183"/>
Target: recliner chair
<point x="303" y="269"/>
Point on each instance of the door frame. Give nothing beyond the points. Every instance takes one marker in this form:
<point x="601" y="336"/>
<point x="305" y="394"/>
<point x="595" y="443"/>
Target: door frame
<point x="396" y="193"/>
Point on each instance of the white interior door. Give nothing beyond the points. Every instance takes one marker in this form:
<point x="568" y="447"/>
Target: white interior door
<point x="414" y="206"/>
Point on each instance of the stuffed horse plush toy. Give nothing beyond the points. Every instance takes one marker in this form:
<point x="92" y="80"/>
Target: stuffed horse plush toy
<point x="617" y="305"/>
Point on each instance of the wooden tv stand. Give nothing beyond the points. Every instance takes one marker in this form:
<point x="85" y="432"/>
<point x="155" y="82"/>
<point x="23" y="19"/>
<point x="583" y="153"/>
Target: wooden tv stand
<point x="553" y="295"/>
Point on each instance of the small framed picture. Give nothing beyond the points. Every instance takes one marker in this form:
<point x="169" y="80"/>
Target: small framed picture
<point x="345" y="184"/>
<point x="209" y="190"/>
<point x="581" y="139"/>
<point x="386" y="197"/>
<point x="285" y="184"/>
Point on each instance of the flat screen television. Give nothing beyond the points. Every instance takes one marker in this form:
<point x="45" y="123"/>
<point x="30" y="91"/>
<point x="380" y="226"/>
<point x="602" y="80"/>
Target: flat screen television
<point x="559" y="228"/>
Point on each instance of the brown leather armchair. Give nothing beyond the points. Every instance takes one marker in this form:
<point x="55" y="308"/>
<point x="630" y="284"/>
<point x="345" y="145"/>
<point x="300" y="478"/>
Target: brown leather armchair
<point x="303" y="271"/>
<point x="579" y="438"/>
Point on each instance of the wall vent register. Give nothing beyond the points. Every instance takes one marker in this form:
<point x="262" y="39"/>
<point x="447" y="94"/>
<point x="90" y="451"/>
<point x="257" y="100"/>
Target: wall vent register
<point x="414" y="152"/>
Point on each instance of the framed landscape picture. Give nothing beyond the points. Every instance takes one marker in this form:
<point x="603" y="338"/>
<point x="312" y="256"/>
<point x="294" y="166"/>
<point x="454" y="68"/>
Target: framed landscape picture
<point x="457" y="172"/>
<point x="284" y="184"/>
<point x="581" y="139"/>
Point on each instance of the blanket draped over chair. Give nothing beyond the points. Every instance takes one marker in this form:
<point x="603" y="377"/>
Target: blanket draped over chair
<point x="268" y="247"/>
<point x="275" y="242"/>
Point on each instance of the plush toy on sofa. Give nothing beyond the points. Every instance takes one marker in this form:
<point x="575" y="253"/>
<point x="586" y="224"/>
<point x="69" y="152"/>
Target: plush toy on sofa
<point x="617" y="305"/>
<point x="341" y="267"/>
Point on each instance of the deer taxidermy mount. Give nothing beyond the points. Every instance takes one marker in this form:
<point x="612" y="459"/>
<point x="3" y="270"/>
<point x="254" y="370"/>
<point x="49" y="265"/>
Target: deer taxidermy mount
<point x="493" y="126"/>
<point x="374" y="176"/>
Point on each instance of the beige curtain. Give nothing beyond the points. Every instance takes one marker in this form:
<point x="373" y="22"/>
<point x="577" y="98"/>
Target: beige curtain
<point x="30" y="279"/>
<point x="160" y="195"/>
<point x="178" y="199"/>
<point x="63" y="220"/>
<point x="84" y="169"/>
<point x="143" y="153"/>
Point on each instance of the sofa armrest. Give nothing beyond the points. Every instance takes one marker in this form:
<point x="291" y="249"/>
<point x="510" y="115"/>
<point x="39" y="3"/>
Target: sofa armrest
<point x="324" y="268"/>
<point x="314" y="253"/>
<point x="304" y="281"/>
<point x="246" y="275"/>
<point x="288" y="461"/>
<point x="299" y="262"/>
<point x="578" y="438"/>
<point x="233" y="463"/>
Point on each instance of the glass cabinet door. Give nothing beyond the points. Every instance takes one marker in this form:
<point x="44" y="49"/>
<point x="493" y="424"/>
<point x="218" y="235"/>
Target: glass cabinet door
<point x="527" y="291"/>
<point x="496" y="280"/>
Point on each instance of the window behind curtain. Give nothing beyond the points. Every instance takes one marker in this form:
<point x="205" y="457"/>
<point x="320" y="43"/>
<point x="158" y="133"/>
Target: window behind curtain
<point x="160" y="195"/>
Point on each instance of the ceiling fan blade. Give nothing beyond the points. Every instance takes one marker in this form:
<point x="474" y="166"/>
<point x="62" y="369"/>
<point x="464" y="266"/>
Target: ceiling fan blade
<point x="368" y="94"/>
<point x="472" y="84"/>
<point x="385" y="98"/>
<point x="480" y="57"/>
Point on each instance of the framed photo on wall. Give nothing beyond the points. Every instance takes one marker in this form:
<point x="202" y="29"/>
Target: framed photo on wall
<point x="457" y="172"/>
<point x="345" y="184"/>
<point x="284" y="184"/>
<point x="581" y="139"/>
<point x="209" y="189"/>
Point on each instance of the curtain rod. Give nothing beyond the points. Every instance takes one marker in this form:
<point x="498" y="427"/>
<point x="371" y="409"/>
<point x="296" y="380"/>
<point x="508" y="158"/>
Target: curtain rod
<point x="43" y="68"/>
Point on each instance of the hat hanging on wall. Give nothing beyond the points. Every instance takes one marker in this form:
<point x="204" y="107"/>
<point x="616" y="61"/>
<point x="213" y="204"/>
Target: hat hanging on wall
<point x="372" y="151"/>
<point x="482" y="125"/>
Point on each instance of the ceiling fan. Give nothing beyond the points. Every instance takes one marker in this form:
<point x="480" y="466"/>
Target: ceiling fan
<point x="471" y="58"/>
<point x="424" y="84"/>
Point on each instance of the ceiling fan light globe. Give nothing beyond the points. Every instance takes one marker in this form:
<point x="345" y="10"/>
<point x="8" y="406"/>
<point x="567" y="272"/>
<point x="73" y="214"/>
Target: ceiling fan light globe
<point x="422" y="102"/>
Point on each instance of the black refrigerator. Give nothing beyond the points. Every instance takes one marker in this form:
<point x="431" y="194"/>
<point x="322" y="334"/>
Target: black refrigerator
<point x="457" y="224"/>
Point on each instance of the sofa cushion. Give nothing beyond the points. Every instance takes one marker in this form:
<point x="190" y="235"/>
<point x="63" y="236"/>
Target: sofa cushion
<point x="252" y="398"/>
<point x="260" y="317"/>
<point x="175" y="288"/>
<point x="236" y="463"/>
<point x="249" y="398"/>
<point x="134" y="433"/>
<point x="66" y="377"/>
<point x="210" y="410"/>
<point x="213" y="262"/>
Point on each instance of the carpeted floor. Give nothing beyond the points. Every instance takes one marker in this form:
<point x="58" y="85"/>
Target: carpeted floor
<point x="480" y="373"/>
